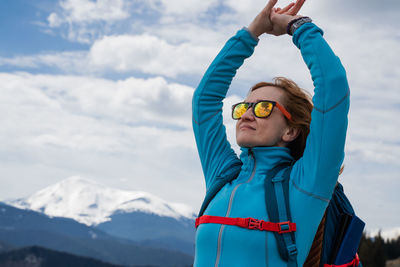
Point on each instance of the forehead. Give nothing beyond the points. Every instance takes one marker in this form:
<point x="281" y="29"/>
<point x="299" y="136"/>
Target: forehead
<point x="266" y="93"/>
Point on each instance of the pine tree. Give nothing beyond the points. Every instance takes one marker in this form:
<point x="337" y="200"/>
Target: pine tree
<point x="392" y="249"/>
<point x="372" y="251"/>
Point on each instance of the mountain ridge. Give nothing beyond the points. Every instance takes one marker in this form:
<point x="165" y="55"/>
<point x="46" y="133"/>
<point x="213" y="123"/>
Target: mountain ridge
<point x="22" y="228"/>
<point x="93" y="203"/>
<point x="39" y="256"/>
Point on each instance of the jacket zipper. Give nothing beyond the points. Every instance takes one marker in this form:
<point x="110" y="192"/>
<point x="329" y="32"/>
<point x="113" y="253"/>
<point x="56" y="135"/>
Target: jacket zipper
<point x="251" y="154"/>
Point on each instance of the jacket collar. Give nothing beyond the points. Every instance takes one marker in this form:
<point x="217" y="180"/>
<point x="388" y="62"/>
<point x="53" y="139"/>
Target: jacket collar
<point x="266" y="157"/>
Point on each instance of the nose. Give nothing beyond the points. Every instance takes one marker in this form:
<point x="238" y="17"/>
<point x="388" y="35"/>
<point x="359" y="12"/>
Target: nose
<point x="248" y="115"/>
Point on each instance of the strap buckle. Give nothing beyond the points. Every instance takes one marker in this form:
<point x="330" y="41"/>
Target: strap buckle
<point x="292" y="250"/>
<point x="284" y="227"/>
<point x="255" y="224"/>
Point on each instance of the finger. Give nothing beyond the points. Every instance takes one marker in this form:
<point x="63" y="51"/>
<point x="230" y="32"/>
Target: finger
<point x="295" y="9"/>
<point x="270" y="5"/>
<point x="286" y="8"/>
<point x="273" y="13"/>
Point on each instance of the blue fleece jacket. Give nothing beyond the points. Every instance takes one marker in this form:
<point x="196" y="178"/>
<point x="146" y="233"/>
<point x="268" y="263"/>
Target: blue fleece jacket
<point x="313" y="176"/>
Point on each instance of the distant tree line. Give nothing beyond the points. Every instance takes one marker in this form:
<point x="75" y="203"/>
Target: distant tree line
<point x="375" y="251"/>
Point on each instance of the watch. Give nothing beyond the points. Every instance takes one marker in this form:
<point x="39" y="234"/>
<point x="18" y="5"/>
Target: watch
<point x="296" y="23"/>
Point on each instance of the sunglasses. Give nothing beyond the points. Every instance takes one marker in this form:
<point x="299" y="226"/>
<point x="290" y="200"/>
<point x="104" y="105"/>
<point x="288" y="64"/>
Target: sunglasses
<point x="261" y="109"/>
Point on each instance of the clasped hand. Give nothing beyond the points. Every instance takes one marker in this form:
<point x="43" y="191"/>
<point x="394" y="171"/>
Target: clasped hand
<point x="273" y="20"/>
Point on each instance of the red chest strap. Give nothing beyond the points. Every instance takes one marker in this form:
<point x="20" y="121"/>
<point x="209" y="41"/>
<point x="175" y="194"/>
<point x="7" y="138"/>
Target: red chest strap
<point x="249" y="223"/>
<point x="355" y="262"/>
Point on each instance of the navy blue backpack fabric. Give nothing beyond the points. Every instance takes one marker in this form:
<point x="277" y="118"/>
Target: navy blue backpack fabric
<point x="339" y="204"/>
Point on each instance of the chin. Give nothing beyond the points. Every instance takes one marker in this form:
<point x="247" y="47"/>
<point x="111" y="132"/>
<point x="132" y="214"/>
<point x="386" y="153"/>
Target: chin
<point x="250" y="142"/>
<point x="246" y="143"/>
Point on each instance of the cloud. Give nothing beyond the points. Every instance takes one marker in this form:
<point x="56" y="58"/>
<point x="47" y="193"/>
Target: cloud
<point x="358" y="11"/>
<point x="151" y="100"/>
<point x="86" y="11"/>
<point x="58" y="125"/>
<point x="69" y="61"/>
<point x="85" y="20"/>
<point x="186" y="9"/>
<point x="148" y="54"/>
<point x="54" y="20"/>
<point x="145" y="53"/>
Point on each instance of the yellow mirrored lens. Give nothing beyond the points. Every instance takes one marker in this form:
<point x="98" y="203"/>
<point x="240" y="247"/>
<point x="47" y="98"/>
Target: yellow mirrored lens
<point x="239" y="110"/>
<point x="263" y="109"/>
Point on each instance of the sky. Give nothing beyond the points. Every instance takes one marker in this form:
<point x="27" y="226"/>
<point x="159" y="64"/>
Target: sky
<point x="102" y="89"/>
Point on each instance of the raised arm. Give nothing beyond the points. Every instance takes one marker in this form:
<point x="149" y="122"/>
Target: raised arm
<point x="317" y="171"/>
<point x="216" y="154"/>
<point x="324" y="152"/>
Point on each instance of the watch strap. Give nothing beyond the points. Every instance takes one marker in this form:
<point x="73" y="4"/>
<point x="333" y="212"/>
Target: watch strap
<point x="293" y="25"/>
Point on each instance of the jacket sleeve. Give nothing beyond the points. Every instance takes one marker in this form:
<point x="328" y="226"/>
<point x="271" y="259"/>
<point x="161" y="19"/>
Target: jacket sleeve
<point x="318" y="169"/>
<point x="216" y="154"/>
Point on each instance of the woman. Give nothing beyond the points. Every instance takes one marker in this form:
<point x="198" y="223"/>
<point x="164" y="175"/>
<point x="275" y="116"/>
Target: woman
<point x="271" y="133"/>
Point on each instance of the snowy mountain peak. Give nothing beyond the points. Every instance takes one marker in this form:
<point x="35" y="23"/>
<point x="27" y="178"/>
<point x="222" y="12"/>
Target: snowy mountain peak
<point x="79" y="181"/>
<point x="92" y="203"/>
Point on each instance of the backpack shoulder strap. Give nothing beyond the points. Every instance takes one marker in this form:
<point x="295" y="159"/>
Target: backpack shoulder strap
<point x="277" y="203"/>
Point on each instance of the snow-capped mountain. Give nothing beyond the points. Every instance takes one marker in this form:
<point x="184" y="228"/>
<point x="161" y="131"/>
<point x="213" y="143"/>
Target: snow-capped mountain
<point x="91" y="203"/>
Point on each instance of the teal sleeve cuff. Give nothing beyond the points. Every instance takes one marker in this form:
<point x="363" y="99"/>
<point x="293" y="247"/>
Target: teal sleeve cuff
<point x="303" y="31"/>
<point x="247" y="36"/>
<point x="252" y="35"/>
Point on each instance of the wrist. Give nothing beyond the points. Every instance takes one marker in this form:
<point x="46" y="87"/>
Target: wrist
<point x="294" y="24"/>
<point x="255" y="37"/>
<point x="254" y="31"/>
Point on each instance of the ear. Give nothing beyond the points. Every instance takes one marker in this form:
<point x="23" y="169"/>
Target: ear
<point x="290" y="134"/>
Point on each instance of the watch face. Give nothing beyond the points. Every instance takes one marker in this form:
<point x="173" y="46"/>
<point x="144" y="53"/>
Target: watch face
<point x="298" y="23"/>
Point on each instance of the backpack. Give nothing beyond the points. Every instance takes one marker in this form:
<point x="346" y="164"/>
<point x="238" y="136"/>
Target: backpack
<point x="341" y="228"/>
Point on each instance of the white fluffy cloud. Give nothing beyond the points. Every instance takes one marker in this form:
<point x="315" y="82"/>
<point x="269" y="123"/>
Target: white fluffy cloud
<point x="69" y="61"/>
<point x="127" y="101"/>
<point x="134" y="129"/>
<point x="86" y="20"/>
<point x="86" y="11"/>
<point x="148" y="54"/>
<point x="186" y="9"/>
<point x="145" y="53"/>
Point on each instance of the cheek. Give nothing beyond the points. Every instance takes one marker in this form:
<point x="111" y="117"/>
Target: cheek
<point x="263" y="135"/>
<point x="237" y="133"/>
<point x="263" y="129"/>
<point x="267" y="132"/>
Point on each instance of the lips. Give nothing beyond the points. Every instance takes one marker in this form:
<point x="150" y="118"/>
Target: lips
<point x="246" y="127"/>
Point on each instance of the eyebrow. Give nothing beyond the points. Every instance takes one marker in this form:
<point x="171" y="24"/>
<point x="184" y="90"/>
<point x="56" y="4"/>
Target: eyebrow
<point x="259" y="99"/>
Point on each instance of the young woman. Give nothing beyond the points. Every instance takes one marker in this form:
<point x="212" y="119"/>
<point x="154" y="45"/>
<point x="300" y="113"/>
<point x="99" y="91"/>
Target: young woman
<point x="274" y="125"/>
